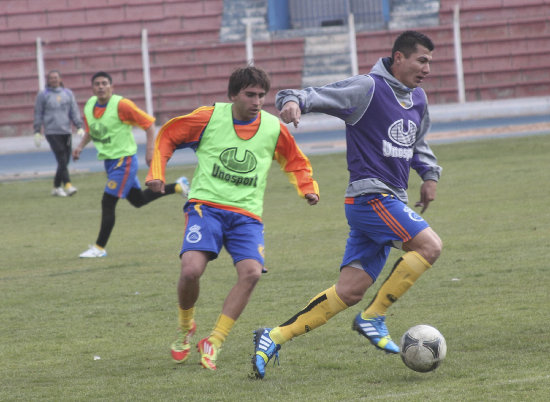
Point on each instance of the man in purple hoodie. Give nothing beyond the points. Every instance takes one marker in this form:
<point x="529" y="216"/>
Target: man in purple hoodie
<point x="386" y="116"/>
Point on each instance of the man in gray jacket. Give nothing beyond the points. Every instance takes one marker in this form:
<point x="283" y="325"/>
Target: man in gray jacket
<point x="55" y="109"/>
<point x="386" y="116"/>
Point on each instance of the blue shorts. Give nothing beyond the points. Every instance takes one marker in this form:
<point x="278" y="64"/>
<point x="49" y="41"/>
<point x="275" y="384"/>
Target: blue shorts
<point x="378" y="222"/>
<point x="121" y="175"/>
<point x="208" y="229"/>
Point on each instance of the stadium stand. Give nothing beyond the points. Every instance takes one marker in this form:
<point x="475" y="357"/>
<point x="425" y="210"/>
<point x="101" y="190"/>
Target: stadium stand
<point x="189" y="64"/>
<point x="506" y="51"/>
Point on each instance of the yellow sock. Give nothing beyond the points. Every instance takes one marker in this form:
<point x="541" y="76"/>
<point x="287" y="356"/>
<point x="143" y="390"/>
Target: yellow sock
<point x="319" y="310"/>
<point x="221" y="330"/>
<point x="178" y="188"/>
<point x="186" y="317"/>
<point x="405" y="272"/>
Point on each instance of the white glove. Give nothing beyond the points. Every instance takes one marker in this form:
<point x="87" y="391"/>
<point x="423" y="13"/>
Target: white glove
<point x="38" y="139"/>
<point x="80" y="132"/>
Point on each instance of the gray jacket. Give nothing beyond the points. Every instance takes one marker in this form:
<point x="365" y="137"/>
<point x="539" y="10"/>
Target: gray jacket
<point x="55" y="109"/>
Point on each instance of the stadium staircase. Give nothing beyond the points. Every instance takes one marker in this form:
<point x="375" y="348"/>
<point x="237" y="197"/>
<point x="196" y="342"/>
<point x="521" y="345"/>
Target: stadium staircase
<point x="195" y="44"/>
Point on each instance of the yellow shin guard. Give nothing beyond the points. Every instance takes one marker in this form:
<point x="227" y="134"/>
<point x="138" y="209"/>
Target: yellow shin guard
<point x="319" y="310"/>
<point x="405" y="272"/>
<point x="221" y="330"/>
<point x="185" y="317"/>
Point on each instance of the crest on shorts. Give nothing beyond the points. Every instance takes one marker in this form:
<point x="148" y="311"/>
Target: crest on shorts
<point x="194" y="234"/>
<point x="412" y="214"/>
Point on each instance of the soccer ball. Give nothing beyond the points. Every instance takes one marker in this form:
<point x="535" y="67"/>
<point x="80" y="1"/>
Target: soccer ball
<point x="423" y="348"/>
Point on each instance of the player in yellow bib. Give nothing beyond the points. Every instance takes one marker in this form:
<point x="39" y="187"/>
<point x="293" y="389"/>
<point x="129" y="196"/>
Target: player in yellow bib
<point x="108" y="119"/>
<point x="235" y="144"/>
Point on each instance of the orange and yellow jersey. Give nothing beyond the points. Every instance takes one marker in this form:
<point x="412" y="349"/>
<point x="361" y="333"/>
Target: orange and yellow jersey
<point x="128" y="113"/>
<point x="186" y="132"/>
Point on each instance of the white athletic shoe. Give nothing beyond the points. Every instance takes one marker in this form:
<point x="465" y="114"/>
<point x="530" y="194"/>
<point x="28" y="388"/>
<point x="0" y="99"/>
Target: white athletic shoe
<point x="184" y="183"/>
<point x="59" y="192"/>
<point x="70" y="190"/>
<point x="93" y="252"/>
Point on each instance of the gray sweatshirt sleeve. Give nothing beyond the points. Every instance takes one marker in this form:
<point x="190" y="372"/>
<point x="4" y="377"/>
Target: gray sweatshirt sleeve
<point x="347" y="99"/>
<point x="424" y="160"/>
<point x="74" y="113"/>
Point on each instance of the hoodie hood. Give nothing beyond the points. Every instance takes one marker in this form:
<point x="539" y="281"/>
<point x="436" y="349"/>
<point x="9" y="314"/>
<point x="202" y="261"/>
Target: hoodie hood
<point x="402" y="92"/>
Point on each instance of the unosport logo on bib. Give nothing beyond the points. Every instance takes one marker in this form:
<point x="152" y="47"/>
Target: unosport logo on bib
<point x="194" y="235"/>
<point x="397" y="133"/>
<point x="98" y="132"/>
<point x="246" y="164"/>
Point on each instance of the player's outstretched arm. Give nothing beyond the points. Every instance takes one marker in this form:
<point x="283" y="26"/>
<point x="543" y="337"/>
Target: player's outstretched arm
<point x="150" y="145"/>
<point x="83" y="142"/>
<point x="290" y="113"/>
<point x="427" y="194"/>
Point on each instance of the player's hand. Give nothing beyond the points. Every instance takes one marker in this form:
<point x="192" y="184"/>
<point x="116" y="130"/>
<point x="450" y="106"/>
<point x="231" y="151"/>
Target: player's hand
<point x="156" y="186"/>
<point x="38" y="140"/>
<point x="76" y="153"/>
<point x="427" y="194"/>
<point x="290" y="113"/>
<point x="312" y="199"/>
<point x="80" y="132"/>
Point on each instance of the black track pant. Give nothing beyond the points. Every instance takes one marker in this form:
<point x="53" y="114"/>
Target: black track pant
<point x="136" y="197"/>
<point x="61" y="145"/>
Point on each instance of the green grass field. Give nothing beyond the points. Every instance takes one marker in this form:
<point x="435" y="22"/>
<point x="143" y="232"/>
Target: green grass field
<point x="85" y="330"/>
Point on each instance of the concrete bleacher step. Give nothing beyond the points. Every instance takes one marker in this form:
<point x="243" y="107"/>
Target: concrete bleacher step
<point x="197" y="29"/>
<point x="326" y="58"/>
<point x="169" y="62"/>
<point x="237" y="13"/>
<point x="92" y="13"/>
<point x="42" y="14"/>
<point x="106" y="19"/>
<point x="203" y="75"/>
<point x="490" y="10"/>
<point x="413" y="13"/>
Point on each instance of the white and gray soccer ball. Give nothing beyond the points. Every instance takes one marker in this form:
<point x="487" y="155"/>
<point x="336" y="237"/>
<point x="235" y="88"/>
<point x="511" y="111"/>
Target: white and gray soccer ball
<point x="423" y="348"/>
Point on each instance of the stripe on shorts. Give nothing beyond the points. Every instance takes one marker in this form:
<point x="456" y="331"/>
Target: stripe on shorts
<point x="126" y="175"/>
<point x="389" y="220"/>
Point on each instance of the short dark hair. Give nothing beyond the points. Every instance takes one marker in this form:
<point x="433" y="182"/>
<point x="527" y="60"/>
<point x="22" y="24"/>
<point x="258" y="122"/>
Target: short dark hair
<point x="407" y="41"/>
<point x="53" y="72"/>
<point x="102" y="74"/>
<point x="245" y="77"/>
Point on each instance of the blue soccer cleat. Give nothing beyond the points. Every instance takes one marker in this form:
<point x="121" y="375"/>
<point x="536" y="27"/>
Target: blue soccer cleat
<point x="264" y="350"/>
<point x="375" y="330"/>
<point x="184" y="186"/>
